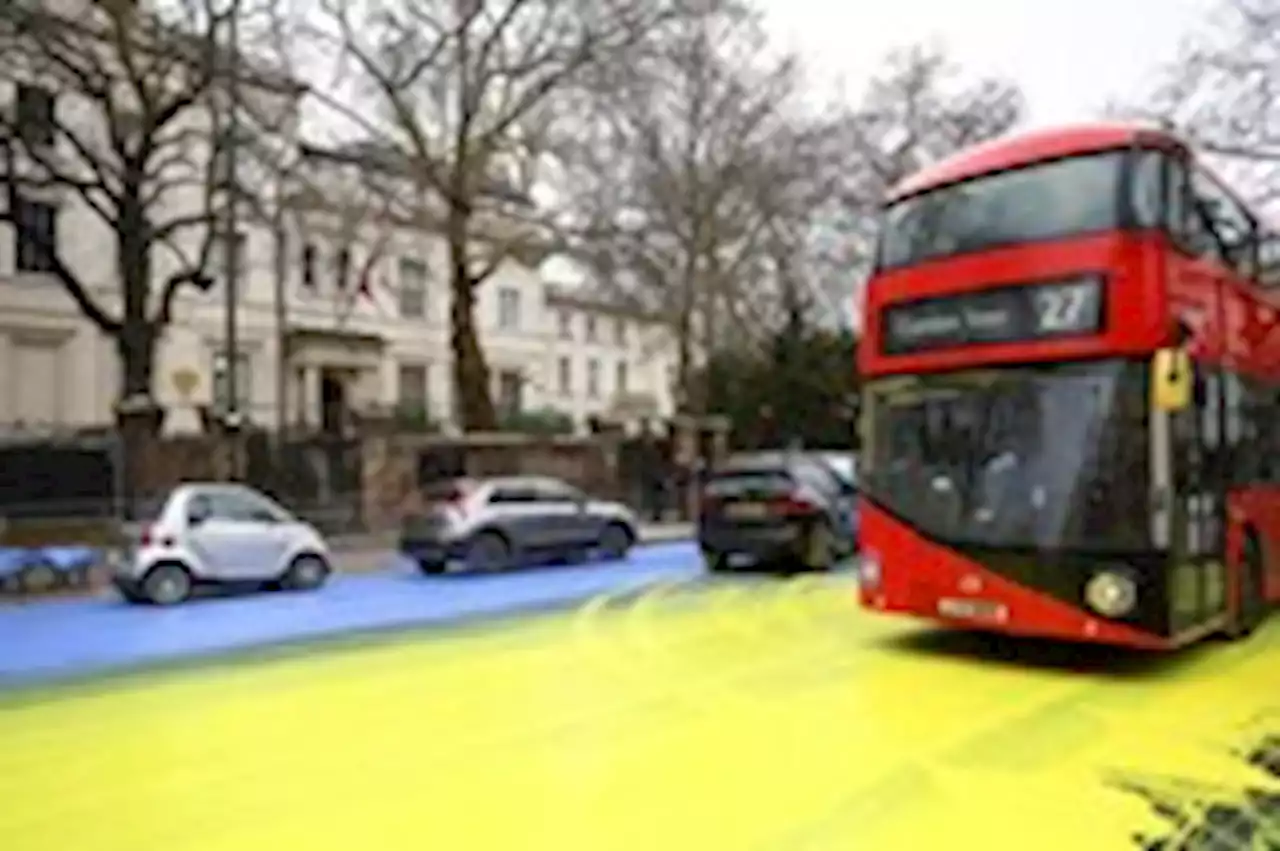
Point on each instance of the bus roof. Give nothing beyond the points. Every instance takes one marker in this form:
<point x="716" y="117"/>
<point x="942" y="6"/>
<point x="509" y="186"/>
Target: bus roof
<point x="1019" y="149"/>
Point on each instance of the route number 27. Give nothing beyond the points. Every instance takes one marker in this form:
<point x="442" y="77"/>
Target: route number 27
<point x="1065" y="308"/>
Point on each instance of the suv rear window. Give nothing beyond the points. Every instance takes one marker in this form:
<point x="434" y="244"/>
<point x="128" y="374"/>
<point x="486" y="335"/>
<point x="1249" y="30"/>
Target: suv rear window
<point x="733" y="482"/>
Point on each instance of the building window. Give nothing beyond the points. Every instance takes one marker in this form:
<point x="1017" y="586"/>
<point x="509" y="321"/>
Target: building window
<point x="566" y="324"/>
<point x="510" y="393"/>
<point x="219" y="260"/>
<point x="413" y="288"/>
<point x="221" y="380"/>
<point x="309" y="260"/>
<point x="36" y="240"/>
<point x="566" y="376"/>
<point x="35" y="116"/>
<point x="620" y="379"/>
<point x="591" y="328"/>
<point x="342" y="268"/>
<point x="620" y="331"/>
<point x="411" y="390"/>
<point x="508" y="308"/>
<point x="593" y="378"/>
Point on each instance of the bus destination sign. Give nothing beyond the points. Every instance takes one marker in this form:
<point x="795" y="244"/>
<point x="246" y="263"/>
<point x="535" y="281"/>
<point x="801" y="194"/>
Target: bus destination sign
<point x="1005" y="315"/>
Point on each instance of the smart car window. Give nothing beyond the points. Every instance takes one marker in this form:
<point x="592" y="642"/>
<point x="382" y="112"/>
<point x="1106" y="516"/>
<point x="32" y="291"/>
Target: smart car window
<point x="199" y="508"/>
<point x="260" y="507"/>
<point x="231" y="506"/>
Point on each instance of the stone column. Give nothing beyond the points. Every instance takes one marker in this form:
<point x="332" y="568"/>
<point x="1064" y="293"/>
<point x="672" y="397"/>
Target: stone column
<point x="309" y="402"/>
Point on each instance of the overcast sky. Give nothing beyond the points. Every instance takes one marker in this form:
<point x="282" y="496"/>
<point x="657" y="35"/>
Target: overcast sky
<point x="1068" y="57"/>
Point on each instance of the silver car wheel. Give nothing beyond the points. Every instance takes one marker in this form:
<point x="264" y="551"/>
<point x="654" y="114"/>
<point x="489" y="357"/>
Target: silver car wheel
<point x="488" y="551"/>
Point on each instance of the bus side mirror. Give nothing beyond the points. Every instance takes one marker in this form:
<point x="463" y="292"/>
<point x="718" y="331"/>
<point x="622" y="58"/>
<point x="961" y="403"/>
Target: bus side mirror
<point x="1171" y="380"/>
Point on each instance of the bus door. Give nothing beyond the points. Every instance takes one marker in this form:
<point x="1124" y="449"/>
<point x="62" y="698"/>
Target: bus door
<point x="1197" y="589"/>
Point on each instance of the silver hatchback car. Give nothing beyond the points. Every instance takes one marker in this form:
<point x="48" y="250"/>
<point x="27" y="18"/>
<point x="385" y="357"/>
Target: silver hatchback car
<point x="491" y="524"/>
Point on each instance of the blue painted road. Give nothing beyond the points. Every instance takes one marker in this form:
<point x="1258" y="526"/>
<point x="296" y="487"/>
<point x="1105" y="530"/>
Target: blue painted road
<point x="70" y="638"/>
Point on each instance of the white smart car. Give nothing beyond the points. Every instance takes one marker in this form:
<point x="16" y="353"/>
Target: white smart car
<point x="223" y="534"/>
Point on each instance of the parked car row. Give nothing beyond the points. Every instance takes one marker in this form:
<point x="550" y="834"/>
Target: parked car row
<point x="793" y="508"/>
<point x="229" y="534"/>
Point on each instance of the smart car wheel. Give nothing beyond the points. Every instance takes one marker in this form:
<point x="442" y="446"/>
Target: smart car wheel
<point x="615" y="541"/>
<point x="167" y="585"/>
<point x="307" y="573"/>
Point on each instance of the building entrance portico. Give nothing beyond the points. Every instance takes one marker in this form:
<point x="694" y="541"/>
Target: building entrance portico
<point x="334" y="374"/>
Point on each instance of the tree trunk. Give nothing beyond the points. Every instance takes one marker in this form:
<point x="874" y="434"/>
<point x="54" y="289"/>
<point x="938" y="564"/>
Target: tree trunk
<point x="470" y="371"/>
<point x="136" y="346"/>
<point x="138" y="417"/>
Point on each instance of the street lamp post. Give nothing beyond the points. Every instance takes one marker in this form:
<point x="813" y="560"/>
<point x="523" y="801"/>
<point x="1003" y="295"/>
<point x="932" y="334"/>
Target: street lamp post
<point x="231" y="242"/>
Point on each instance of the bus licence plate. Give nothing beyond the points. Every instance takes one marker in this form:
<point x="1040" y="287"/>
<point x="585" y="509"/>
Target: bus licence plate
<point x="983" y="610"/>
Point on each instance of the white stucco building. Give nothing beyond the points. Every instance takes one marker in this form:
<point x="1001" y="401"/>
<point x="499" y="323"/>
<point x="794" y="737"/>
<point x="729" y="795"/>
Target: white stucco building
<point x="345" y="312"/>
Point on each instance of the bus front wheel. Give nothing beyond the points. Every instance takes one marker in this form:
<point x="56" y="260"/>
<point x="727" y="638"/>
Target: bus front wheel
<point x="1251" y="609"/>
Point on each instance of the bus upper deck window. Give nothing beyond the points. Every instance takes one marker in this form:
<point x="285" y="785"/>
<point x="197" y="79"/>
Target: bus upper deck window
<point x="1146" y="193"/>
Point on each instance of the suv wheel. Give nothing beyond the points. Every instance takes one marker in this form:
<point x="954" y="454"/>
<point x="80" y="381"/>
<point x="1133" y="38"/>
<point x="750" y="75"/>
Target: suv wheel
<point x="820" y="547"/>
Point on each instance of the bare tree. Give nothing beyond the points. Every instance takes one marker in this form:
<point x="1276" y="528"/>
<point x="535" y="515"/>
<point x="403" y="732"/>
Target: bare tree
<point x="121" y="111"/>
<point x="670" y="207"/>
<point x="1222" y="92"/>
<point x="348" y="200"/>
<point x="918" y="109"/>
<point x="465" y="92"/>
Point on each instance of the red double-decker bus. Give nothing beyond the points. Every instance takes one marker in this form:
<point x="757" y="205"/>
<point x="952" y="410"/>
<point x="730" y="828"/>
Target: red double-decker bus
<point x="1071" y="408"/>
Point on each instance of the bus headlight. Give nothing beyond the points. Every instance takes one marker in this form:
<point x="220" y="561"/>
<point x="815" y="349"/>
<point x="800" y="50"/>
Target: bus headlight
<point x="1111" y="593"/>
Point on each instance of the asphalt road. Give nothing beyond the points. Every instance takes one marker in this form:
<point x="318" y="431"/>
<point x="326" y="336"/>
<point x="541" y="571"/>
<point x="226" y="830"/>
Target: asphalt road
<point x="753" y="714"/>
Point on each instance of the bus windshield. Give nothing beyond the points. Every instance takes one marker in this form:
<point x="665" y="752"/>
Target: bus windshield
<point x="1043" y="457"/>
<point x="1050" y="200"/>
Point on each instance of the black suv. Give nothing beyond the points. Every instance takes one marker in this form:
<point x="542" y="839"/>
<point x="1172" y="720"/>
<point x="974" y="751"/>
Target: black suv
<point x="789" y="509"/>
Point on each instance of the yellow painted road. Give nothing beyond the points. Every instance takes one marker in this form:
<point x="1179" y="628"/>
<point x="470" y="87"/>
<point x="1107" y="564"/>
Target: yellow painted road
<point x="761" y="716"/>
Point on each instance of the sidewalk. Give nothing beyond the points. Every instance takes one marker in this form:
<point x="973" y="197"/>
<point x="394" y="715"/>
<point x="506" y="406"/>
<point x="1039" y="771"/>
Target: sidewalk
<point x="368" y="553"/>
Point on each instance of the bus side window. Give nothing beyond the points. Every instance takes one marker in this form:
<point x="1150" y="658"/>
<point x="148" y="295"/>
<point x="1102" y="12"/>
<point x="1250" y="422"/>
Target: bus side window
<point x="1149" y="201"/>
<point x="1186" y="226"/>
<point x="1226" y="222"/>
<point x="1240" y="399"/>
<point x="1258" y="436"/>
<point x="1268" y="259"/>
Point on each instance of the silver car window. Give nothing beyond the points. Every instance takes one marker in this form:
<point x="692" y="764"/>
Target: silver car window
<point x="556" y="492"/>
<point x="513" y="495"/>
